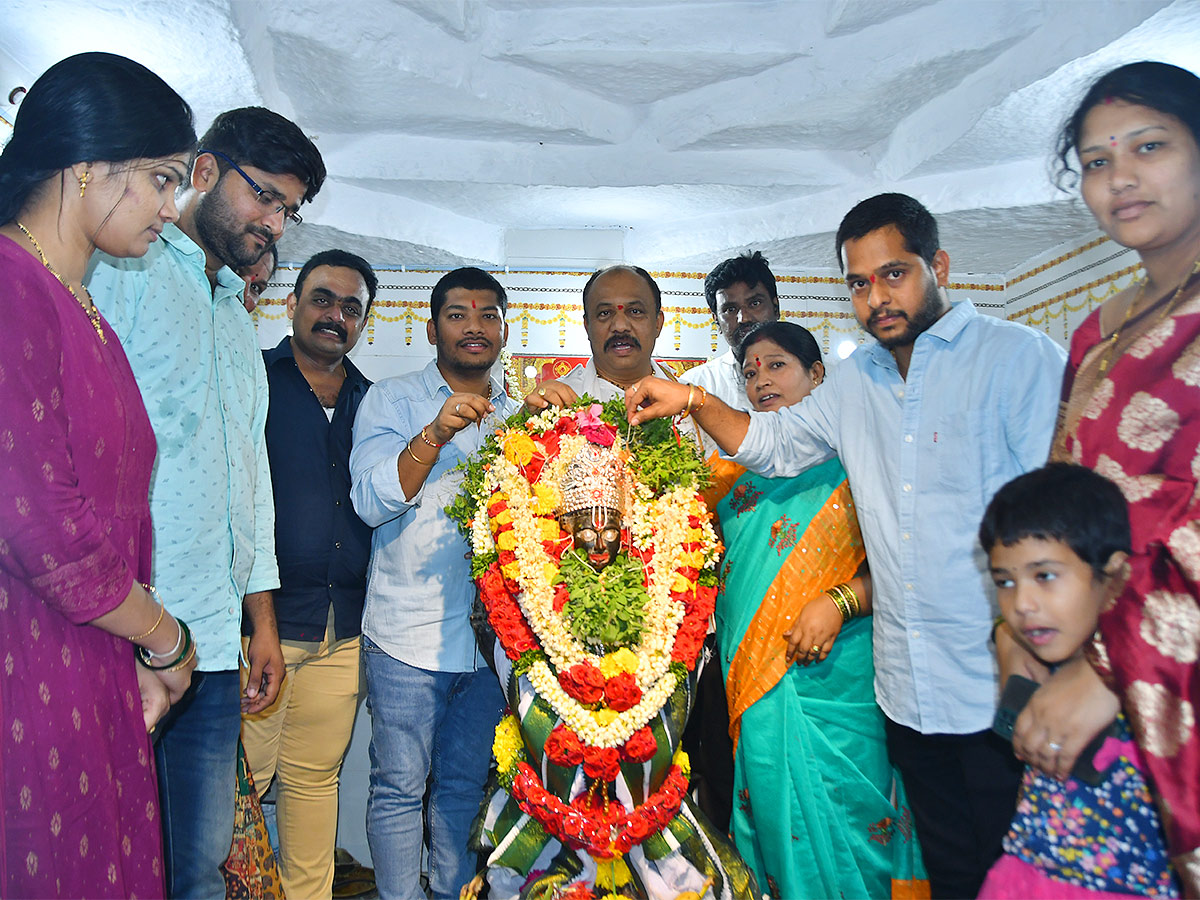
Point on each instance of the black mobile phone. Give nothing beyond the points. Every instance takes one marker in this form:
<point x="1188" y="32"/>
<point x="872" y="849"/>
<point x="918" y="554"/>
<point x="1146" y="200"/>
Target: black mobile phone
<point x="1017" y="691"/>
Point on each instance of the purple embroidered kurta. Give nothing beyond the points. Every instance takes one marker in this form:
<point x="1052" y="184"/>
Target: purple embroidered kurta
<point x="80" y="805"/>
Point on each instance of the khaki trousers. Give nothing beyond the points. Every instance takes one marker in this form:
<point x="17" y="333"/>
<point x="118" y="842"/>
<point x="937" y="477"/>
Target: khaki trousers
<point x="302" y="738"/>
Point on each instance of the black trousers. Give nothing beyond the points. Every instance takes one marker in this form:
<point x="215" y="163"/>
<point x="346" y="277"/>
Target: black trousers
<point x="707" y="742"/>
<point x="963" y="791"/>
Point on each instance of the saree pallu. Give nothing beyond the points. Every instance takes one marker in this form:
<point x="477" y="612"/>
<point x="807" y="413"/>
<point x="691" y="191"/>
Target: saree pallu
<point x="818" y="809"/>
<point x="1140" y="427"/>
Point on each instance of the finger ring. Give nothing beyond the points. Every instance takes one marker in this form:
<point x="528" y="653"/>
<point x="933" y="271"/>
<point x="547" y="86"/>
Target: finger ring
<point x="816" y="648"/>
<point x="541" y="392"/>
<point x="456" y="406"/>
<point x="1055" y="746"/>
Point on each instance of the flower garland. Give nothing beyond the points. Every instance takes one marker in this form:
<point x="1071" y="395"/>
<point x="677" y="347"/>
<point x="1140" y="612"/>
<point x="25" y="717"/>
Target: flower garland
<point x="605" y="696"/>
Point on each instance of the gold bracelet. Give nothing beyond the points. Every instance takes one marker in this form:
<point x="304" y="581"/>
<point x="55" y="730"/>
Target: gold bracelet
<point x="851" y="599"/>
<point x="161" y="609"/>
<point x="840" y="602"/>
<point x="846" y="600"/>
<point x="416" y="459"/>
<point x="426" y="439"/>
<point x="687" y="408"/>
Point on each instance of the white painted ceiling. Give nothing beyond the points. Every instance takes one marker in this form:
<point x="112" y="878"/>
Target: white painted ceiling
<point x="695" y="128"/>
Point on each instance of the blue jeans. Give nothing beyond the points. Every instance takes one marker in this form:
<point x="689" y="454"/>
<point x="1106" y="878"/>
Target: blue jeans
<point x="433" y="727"/>
<point x="197" y="781"/>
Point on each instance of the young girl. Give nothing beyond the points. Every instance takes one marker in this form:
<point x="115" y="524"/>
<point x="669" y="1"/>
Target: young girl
<point x="1057" y="539"/>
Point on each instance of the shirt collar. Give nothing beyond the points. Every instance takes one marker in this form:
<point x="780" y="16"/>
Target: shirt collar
<point x="435" y="384"/>
<point x="945" y="329"/>
<point x="283" y="350"/>
<point x="228" y="281"/>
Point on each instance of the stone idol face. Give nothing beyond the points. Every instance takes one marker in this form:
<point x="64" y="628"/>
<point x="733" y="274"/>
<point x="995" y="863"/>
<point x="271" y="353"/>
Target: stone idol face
<point x="592" y="504"/>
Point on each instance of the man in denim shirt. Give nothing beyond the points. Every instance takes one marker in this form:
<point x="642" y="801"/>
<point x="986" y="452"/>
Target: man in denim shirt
<point x="433" y="702"/>
<point x="929" y="420"/>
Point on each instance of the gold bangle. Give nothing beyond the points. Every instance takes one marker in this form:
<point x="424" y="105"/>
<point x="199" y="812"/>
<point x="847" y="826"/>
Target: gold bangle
<point x="851" y="598"/>
<point x="416" y="459"/>
<point x="426" y="439"/>
<point x="161" y="610"/>
<point x="687" y="407"/>
<point x="840" y="602"/>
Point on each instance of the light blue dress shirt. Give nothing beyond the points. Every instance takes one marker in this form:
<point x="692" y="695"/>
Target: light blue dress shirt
<point x="419" y="587"/>
<point x="924" y="456"/>
<point x="194" y="352"/>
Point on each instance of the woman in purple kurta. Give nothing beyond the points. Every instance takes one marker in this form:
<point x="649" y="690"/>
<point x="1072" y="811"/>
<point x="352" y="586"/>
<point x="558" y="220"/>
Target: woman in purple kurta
<point x="76" y="450"/>
<point x="79" y="814"/>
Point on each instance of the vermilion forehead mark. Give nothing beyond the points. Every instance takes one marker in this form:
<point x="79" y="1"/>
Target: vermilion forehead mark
<point x="872" y="277"/>
<point x="472" y="304"/>
<point x="1112" y="140"/>
<point x="1108" y="100"/>
<point x="620" y="308"/>
<point x="758" y="362"/>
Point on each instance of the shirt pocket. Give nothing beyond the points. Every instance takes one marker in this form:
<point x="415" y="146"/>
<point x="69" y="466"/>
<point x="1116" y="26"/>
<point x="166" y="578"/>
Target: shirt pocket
<point x="956" y="443"/>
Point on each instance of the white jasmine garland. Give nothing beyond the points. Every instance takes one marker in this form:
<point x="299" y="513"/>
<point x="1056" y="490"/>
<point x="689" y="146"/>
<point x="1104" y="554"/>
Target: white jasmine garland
<point x="580" y="719"/>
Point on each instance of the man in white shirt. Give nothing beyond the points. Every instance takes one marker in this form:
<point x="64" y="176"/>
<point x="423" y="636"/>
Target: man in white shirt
<point x="741" y="293"/>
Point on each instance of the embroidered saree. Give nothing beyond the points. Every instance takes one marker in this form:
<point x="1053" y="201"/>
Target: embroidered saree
<point x="1139" y="425"/>
<point x="813" y="810"/>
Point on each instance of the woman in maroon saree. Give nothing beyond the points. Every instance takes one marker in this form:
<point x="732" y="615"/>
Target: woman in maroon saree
<point x="99" y="145"/>
<point x="1131" y="411"/>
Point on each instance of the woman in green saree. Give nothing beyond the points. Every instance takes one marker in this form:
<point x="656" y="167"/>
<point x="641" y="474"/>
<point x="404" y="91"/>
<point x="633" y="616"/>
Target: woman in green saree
<point x="818" y="810"/>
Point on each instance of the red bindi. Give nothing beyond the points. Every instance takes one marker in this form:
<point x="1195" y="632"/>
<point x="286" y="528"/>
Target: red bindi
<point x="758" y="362"/>
<point x="620" y="307"/>
<point x="472" y="304"/>
<point x="1112" y="141"/>
<point x="872" y="277"/>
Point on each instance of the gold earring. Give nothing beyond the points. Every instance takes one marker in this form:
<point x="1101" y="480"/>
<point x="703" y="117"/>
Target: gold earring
<point x="83" y="180"/>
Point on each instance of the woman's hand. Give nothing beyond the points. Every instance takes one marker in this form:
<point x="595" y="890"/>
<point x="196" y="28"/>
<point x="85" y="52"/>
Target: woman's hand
<point x="1062" y="717"/>
<point x="177" y="682"/>
<point x="657" y="398"/>
<point x="811" y="636"/>
<point x="156" y="700"/>
<point x="550" y="393"/>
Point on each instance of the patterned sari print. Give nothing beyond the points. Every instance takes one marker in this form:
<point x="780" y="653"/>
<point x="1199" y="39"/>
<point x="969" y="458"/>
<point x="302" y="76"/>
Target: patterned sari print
<point x="1140" y="427"/>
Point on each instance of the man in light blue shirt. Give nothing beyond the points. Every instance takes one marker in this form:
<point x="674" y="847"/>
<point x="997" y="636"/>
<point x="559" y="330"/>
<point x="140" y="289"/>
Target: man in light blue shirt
<point x="194" y="352"/>
<point x="433" y="702"/>
<point x="929" y="421"/>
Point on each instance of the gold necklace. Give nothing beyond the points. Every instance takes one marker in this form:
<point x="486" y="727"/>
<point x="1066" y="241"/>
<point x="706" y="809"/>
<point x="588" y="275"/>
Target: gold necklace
<point x="1106" y="360"/>
<point x="89" y="308"/>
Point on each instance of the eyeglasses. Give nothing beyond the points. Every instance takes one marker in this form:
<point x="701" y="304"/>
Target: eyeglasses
<point x="265" y="198"/>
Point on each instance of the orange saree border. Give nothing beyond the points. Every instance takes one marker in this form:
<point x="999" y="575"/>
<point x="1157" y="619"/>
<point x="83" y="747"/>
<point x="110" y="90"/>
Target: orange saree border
<point x="830" y="552"/>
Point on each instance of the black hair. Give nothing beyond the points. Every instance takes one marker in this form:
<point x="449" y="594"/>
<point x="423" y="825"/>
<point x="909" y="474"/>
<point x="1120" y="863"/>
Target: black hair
<point x="345" y="260"/>
<point x="1060" y="502"/>
<point x="469" y="278"/>
<point x="86" y="108"/>
<point x="747" y="268"/>
<point x="795" y="339"/>
<point x="1156" y="85"/>
<point x="258" y="137"/>
<point x="637" y="270"/>
<point x="915" y="223"/>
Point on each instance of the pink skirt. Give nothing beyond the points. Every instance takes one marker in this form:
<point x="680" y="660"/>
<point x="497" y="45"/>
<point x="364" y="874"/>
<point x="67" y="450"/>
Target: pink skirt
<point x="1013" y="879"/>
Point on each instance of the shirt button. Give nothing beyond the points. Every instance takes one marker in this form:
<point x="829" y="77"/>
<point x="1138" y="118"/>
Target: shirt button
<point x="337" y="502"/>
<point x="916" y="634"/>
<point x="331" y="584"/>
<point x="907" y="536"/>
<point x="907" y="488"/>
<point x="900" y="394"/>
<point x="337" y="545"/>
<point x="908" y="439"/>
<point x="232" y="611"/>
<point x="333" y="465"/>
<point x="908" y="585"/>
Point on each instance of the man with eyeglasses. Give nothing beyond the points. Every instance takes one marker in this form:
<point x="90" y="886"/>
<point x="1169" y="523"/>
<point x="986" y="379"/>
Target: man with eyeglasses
<point x="323" y="548"/>
<point x="194" y="351"/>
<point x="257" y="277"/>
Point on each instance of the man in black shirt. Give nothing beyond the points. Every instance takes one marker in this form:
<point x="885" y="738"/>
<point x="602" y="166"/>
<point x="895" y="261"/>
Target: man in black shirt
<point x="323" y="549"/>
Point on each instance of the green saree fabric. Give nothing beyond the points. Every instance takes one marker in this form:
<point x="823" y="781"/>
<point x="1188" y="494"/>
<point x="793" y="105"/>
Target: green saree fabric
<point x="813" y="810"/>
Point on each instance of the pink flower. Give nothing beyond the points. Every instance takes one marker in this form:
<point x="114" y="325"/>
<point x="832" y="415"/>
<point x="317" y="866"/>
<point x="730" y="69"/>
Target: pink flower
<point x="590" y="417"/>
